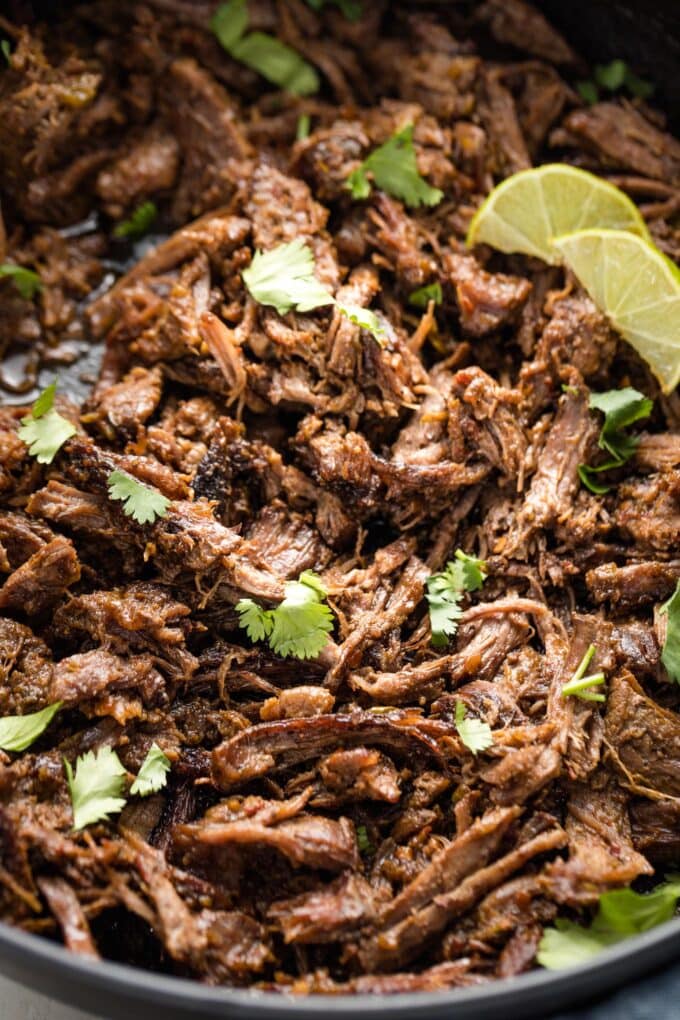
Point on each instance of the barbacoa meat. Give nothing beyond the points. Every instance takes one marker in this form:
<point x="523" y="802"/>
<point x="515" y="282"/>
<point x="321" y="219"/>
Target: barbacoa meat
<point x="324" y="826"/>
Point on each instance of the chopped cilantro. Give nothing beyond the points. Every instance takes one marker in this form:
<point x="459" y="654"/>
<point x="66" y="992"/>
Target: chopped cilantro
<point x="139" y="223"/>
<point x="96" y="787"/>
<point x="580" y="685"/>
<point x="17" y="732"/>
<point x="393" y="167"/>
<point x="6" y="49"/>
<point x="25" y="280"/>
<point x="300" y="624"/>
<point x="140" y="501"/>
<point x="476" y="735"/>
<point x="621" y="408"/>
<point x="363" y="841"/>
<point x="364" y="318"/>
<point x="670" y="656"/>
<point x="265" y="54"/>
<point x="421" y="297"/>
<point x="613" y="77"/>
<point x="445" y="590"/>
<point x="303" y="126"/>
<point x="44" y="430"/>
<point x="620" y="913"/>
<point x="153" y="775"/>
<point x="588" y="92"/>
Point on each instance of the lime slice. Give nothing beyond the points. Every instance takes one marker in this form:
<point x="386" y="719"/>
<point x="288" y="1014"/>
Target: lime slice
<point x="529" y="209"/>
<point x="636" y="287"/>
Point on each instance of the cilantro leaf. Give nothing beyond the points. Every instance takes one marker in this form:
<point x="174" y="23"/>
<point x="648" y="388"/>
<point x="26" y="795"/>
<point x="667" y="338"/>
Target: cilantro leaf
<point x="611" y="76"/>
<point x="365" y="318"/>
<point x="27" y="282"/>
<point x="620" y="913"/>
<point x="17" y="732"/>
<point x="139" y="222"/>
<point x="588" y="92"/>
<point x="230" y="22"/>
<point x="621" y="408"/>
<point x="300" y="624"/>
<point x="475" y="734"/>
<point x="140" y="501"/>
<point x="5" y="49"/>
<point x="350" y="8"/>
<point x="44" y="430"/>
<point x="284" y="278"/>
<point x="421" y="297"/>
<point x="153" y="774"/>
<point x="96" y="786"/>
<point x="394" y="168"/>
<point x="265" y="54"/>
<point x="638" y="86"/>
<point x="445" y="590"/>
<point x="670" y="656"/>
<point x="255" y="620"/>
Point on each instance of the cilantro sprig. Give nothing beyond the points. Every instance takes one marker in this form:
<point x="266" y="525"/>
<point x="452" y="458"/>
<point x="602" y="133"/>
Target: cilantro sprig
<point x="44" y="430"/>
<point x="300" y="624"/>
<point x="621" y="408"/>
<point x="284" y="278"/>
<point x="580" y="685"/>
<point x="475" y="734"/>
<point x="613" y="77"/>
<point x="393" y="168"/>
<point x="17" y="732"/>
<point x="141" y="502"/>
<point x="620" y="913"/>
<point x="263" y="53"/>
<point x="96" y="786"/>
<point x="153" y="775"/>
<point x="670" y="655"/>
<point x="139" y="222"/>
<point x="26" y="281"/>
<point x="445" y="591"/>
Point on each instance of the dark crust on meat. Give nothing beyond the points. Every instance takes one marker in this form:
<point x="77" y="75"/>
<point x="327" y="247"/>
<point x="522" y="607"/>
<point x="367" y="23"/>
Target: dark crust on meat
<point x="324" y="828"/>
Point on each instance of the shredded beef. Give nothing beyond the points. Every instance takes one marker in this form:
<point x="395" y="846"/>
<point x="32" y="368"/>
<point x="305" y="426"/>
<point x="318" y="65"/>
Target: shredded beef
<point x="326" y="825"/>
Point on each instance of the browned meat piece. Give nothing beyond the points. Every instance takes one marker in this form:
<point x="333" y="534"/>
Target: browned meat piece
<point x="331" y="914"/>
<point x="540" y="104"/>
<point x="272" y="746"/>
<point x="211" y="143"/>
<point x="629" y="587"/>
<point x="522" y="773"/>
<point x="656" y="830"/>
<point x="309" y="841"/>
<point x="601" y="854"/>
<point x="128" y="404"/>
<point x="577" y="336"/>
<point x="42" y="580"/>
<point x="284" y="543"/>
<point x="25" y="670"/>
<point x="297" y="703"/>
<point x="490" y="420"/>
<point x="521" y="25"/>
<point x="64" y="904"/>
<point x="658" y="452"/>
<point x="147" y="168"/>
<point x="360" y="773"/>
<point x="486" y="301"/>
<point x="649" y="512"/>
<point x="622" y="137"/>
<point x="90" y="674"/>
<point x="500" y="118"/>
<point x="21" y="537"/>
<point x="141" y="618"/>
<point x="644" y="737"/>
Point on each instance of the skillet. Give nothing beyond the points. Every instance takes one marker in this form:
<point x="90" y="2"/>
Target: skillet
<point x="647" y="36"/>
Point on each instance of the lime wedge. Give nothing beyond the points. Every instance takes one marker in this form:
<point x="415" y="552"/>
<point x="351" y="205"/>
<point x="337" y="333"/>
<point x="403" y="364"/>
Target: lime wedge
<point x="636" y="287"/>
<point x="529" y="209"/>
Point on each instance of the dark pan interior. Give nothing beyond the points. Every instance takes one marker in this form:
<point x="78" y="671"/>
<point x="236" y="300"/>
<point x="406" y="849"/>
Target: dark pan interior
<point x="648" y="37"/>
